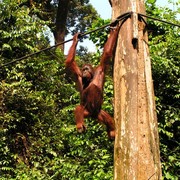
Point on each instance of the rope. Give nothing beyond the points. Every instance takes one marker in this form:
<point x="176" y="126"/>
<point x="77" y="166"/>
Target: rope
<point x="160" y="20"/>
<point x="120" y="18"/>
<point x="32" y="54"/>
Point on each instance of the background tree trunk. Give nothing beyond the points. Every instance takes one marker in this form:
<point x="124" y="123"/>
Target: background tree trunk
<point x="136" y="151"/>
<point x="61" y="18"/>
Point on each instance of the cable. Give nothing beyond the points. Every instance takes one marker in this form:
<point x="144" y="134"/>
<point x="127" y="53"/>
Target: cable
<point x="156" y="19"/>
<point x="119" y="18"/>
<point x="32" y="54"/>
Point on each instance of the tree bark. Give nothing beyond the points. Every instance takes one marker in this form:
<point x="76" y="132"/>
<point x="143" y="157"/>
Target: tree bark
<point x="136" y="149"/>
<point x="61" y="18"/>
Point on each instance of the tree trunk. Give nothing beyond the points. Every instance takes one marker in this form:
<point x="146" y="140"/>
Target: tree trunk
<point x="136" y="149"/>
<point x="61" y="18"/>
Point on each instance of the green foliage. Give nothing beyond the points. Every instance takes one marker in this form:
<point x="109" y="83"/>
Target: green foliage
<point x="85" y="14"/>
<point x="15" y="38"/>
<point x="37" y="100"/>
<point x="80" y="16"/>
<point x="99" y="37"/>
<point x="165" y="53"/>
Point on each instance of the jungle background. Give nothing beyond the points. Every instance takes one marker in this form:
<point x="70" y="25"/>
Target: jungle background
<point x="37" y="97"/>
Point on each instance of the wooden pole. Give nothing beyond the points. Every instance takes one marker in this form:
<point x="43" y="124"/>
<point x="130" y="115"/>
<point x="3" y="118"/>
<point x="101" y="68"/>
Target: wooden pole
<point x="136" y="149"/>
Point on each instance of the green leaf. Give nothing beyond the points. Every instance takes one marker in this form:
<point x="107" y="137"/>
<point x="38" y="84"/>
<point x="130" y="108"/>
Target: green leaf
<point x="6" y="47"/>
